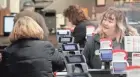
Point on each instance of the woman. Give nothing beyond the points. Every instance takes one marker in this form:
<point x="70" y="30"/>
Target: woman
<point x="112" y="26"/>
<point x="77" y="17"/>
<point x="28" y="56"/>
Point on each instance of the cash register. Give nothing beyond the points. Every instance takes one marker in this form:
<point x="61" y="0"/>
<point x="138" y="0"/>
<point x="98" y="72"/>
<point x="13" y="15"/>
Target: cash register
<point x="64" y="40"/>
<point x="76" y="66"/>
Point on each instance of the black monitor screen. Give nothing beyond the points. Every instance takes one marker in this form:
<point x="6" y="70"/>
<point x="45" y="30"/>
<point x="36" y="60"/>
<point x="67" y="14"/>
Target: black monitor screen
<point x="70" y="47"/>
<point x="119" y="67"/>
<point x="65" y="39"/>
<point x="8" y="24"/>
<point x="75" y="59"/>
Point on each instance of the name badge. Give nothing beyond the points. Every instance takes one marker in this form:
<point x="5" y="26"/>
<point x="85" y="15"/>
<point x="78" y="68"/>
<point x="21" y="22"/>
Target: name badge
<point x="97" y="52"/>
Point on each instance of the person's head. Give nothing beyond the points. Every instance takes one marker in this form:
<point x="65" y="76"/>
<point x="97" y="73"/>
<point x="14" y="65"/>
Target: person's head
<point x="26" y="27"/>
<point x="75" y="14"/>
<point x="113" y="25"/>
<point x="29" y="5"/>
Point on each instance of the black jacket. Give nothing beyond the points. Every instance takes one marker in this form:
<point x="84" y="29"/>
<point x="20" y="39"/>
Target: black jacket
<point x="91" y="51"/>
<point x="79" y="32"/>
<point x="32" y="58"/>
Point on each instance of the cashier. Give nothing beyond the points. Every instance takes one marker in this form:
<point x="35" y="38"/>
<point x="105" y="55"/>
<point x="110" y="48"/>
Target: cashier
<point x="112" y="26"/>
<point x="77" y="17"/>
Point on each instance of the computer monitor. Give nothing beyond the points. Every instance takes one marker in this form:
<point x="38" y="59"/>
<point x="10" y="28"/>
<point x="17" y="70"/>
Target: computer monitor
<point x="75" y="59"/>
<point x="70" y="47"/>
<point x="64" y="32"/>
<point x="65" y="39"/>
<point x="8" y="24"/>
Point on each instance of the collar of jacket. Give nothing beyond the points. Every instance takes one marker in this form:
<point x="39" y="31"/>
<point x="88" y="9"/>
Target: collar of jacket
<point x="23" y="39"/>
<point x="97" y="39"/>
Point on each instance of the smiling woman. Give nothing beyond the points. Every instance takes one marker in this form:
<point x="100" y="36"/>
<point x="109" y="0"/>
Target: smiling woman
<point x="112" y="26"/>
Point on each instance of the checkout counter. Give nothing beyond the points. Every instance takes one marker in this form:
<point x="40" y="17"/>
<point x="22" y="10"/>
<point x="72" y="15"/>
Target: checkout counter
<point x="76" y="65"/>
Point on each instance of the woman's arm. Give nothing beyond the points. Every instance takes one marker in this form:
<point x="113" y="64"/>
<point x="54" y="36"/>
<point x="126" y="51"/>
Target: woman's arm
<point x="56" y="58"/>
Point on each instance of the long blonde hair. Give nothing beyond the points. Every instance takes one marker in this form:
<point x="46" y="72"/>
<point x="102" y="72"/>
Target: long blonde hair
<point x="121" y="24"/>
<point x="26" y="27"/>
